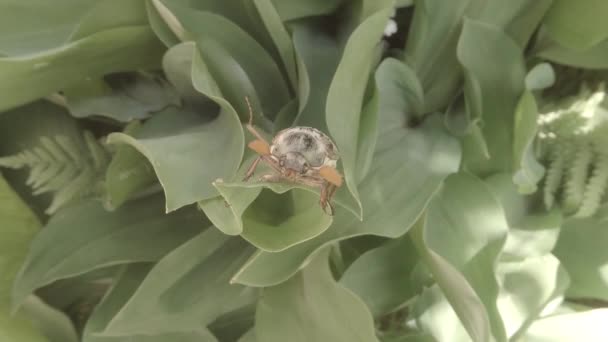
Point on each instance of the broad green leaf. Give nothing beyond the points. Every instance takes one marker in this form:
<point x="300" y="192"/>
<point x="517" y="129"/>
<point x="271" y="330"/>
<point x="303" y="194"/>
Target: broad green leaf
<point x="280" y="36"/>
<point x="408" y="337"/>
<point x="318" y="55"/>
<point x="581" y="249"/>
<point x="187" y="289"/>
<point x="109" y="14"/>
<point x="577" y="25"/>
<point x="247" y="210"/>
<point x="55" y="325"/>
<point x="528" y="171"/>
<point x="418" y="159"/>
<point x="117" y="296"/>
<point x="296" y="9"/>
<point x="85" y="237"/>
<point x="183" y="146"/>
<point x="406" y="91"/>
<point x="25" y="30"/>
<point x="275" y="222"/>
<point x="542" y="76"/>
<point x="178" y="65"/>
<point x="312" y="306"/>
<point x="518" y="18"/>
<point x="216" y="35"/>
<point x="159" y="26"/>
<point x="32" y="76"/>
<point x="346" y="94"/>
<point x="226" y="212"/>
<point x="430" y="49"/>
<point x="527" y="287"/>
<point x="128" y="172"/>
<point x="496" y="90"/>
<point x="382" y="277"/>
<point x="595" y="57"/>
<point x="532" y="233"/>
<point x="435" y="316"/>
<point x="18" y="226"/>
<point x="461" y="256"/>
<point x="248" y="337"/>
<point x="577" y="326"/>
<point x="233" y="325"/>
<point x="124" y="99"/>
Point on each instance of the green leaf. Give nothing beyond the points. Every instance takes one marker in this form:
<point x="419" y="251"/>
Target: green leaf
<point x="518" y="18"/>
<point x="496" y="90"/>
<point x="183" y="145"/>
<point x="579" y="25"/>
<point x="218" y="38"/>
<point x="25" y="31"/>
<point x="528" y="171"/>
<point x="18" y="226"/>
<point x="383" y="276"/>
<point x="462" y="257"/>
<point x="542" y="76"/>
<point x="125" y="98"/>
<point x="275" y="222"/>
<point x="159" y="26"/>
<point x="295" y="9"/>
<point x="128" y="172"/>
<point x="595" y="57"/>
<point x="418" y="159"/>
<point x="527" y="287"/>
<point x="187" y="289"/>
<point x="435" y="316"/>
<point x="430" y="49"/>
<point x="280" y="36"/>
<point x="54" y="324"/>
<point x="29" y="77"/>
<point x="85" y="237"/>
<point x="311" y="306"/>
<point x="109" y="14"/>
<point x="577" y="326"/>
<point x="345" y="97"/>
<point x="117" y="296"/>
<point x="318" y="55"/>
<point x="532" y="233"/>
<point x="581" y="249"/>
<point x="407" y="91"/>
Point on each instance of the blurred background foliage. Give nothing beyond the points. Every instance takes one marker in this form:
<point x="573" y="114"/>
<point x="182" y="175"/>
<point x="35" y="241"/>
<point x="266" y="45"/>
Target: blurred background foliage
<point x="472" y="143"/>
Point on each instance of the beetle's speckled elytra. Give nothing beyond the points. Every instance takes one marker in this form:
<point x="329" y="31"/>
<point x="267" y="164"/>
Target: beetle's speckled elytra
<point x="298" y="154"/>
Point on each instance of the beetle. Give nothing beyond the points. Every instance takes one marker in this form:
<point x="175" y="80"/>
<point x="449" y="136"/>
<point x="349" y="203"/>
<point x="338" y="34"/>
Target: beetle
<point x="299" y="154"/>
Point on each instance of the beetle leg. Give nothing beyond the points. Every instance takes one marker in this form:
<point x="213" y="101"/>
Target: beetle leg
<point x="250" y="126"/>
<point x="325" y="199"/>
<point x="251" y="168"/>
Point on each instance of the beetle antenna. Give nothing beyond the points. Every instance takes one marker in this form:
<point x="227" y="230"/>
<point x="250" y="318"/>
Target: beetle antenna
<point x="250" y="110"/>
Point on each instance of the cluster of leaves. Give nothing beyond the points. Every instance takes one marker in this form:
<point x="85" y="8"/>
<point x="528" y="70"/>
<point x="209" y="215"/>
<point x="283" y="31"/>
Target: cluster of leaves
<point x="126" y="117"/>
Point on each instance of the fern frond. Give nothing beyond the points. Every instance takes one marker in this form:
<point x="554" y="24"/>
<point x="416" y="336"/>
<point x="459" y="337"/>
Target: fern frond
<point x="596" y="187"/>
<point x="553" y="178"/>
<point x="577" y="173"/>
<point x="68" y="167"/>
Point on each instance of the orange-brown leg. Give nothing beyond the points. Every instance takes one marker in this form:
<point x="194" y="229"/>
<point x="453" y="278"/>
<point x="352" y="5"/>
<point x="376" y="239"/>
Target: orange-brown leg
<point x="325" y="198"/>
<point x="251" y="169"/>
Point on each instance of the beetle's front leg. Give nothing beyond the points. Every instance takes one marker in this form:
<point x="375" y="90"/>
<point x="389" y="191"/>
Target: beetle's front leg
<point x="251" y="169"/>
<point x="327" y="190"/>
